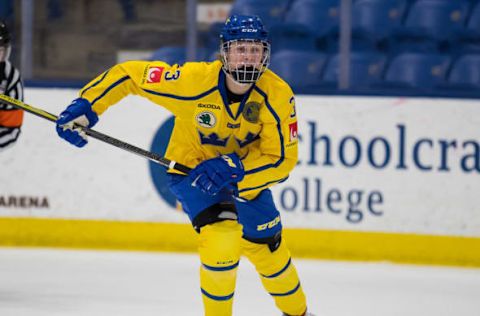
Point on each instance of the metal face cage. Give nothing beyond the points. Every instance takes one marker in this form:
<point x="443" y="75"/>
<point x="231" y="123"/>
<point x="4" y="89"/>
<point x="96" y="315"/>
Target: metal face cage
<point x="245" y="60"/>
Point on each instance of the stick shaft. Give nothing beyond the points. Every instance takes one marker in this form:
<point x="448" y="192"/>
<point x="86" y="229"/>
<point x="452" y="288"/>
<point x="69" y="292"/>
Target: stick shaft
<point x="99" y="136"/>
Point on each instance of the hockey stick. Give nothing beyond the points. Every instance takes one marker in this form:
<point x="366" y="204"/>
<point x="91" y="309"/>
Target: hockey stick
<point x="99" y="136"/>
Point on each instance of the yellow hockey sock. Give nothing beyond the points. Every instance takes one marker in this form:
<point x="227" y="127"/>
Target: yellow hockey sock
<point x="219" y="250"/>
<point x="278" y="275"/>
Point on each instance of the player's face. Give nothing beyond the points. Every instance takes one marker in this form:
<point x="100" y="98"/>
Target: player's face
<point x="4" y="52"/>
<point x="245" y="54"/>
<point x="245" y="60"/>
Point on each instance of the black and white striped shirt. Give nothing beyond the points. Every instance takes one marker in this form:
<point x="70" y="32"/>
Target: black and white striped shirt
<point x="10" y="118"/>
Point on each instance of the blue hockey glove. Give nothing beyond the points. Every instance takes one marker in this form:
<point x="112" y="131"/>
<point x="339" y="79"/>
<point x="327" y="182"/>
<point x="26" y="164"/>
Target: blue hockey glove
<point x="79" y="112"/>
<point x="212" y="175"/>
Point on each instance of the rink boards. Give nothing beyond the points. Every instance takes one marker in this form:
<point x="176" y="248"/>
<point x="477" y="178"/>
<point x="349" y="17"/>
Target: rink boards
<point x="378" y="179"/>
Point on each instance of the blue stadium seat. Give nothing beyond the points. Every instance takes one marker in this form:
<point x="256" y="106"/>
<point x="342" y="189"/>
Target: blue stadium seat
<point x="301" y="69"/>
<point x="467" y="40"/>
<point x="465" y="73"/>
<point x="473" y="23"/>
<point x="366" y="70"/>
<point x="436" y="19"/>
<point x="170" y="54"/>
<point x="376" y="19"/>
<point x="430" y="26"/>
<point x="292" y="37"/>
<point x="270" y="11"/>
<point x="322" y="17"/>
<point x="210" y="38"/>
<point x="417" y="71"/>
<point x="6" y="9"/>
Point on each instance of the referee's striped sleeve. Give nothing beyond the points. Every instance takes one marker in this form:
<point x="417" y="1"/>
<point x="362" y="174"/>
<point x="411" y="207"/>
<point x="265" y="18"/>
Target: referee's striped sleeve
<point x="10" y="118"/>
<point x="14" y="82"/>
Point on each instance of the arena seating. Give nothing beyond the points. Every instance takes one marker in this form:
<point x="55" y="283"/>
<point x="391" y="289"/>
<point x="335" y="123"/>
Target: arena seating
<point x="465" y="73"/>
<point x="270" y="11"/>
<point x="292" y="37"/>
<point x="178" y="55"/>
<point x="374" y="21"/>
<point x="422" y="71"/>
<point x="398" y="46"/>
<point x="366" y="69"/>
<point x="322" y="17"/>
<point x="302" y="68"/>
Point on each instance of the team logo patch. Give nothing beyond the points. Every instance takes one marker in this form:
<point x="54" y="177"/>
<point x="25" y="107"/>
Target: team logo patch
<point x="251" y="111"/>
<point x="293" y="131"/>
<point x="154" y="74"/>
<point x="206" y="119"/>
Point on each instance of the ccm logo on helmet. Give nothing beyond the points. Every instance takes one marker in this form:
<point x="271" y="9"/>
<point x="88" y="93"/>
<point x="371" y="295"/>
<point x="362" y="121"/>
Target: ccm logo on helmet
<point x="249" y="30"/>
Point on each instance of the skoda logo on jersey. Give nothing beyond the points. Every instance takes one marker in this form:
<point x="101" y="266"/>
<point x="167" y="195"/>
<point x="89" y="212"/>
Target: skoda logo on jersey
<point x="206" y="119"/>
<point x="208" y="106"/>
<point x="251" y="112"/>
<point x="157" y="172"/>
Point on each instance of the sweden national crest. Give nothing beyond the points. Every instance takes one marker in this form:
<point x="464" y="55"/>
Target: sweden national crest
<point x="251" y="112"/>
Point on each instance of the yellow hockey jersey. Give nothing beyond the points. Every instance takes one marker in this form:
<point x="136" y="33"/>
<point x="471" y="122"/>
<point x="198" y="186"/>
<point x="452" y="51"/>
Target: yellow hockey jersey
<point x="261" y="129"/>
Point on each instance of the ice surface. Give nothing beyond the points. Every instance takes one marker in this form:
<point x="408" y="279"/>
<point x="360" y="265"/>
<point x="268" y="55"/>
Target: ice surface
<point x="50" y="282"/>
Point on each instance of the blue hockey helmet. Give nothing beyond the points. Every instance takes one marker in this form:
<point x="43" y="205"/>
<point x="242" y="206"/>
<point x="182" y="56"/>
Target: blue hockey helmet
<point x="240" y="27"/>
<point x="244" y="48"/>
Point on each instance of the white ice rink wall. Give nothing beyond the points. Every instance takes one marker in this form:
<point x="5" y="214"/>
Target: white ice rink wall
<point x="378" y="179"/>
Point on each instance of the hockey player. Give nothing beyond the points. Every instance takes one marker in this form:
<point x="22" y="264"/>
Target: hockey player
<point x="236" y="126"/>
<point x="10" y="84"/>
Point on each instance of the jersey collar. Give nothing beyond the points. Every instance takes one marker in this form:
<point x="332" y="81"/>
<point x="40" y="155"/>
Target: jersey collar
<point x="222" y="87"/>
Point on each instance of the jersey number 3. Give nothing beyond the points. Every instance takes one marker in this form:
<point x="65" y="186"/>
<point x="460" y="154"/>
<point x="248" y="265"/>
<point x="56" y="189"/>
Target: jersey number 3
<point x="172" y="76"/>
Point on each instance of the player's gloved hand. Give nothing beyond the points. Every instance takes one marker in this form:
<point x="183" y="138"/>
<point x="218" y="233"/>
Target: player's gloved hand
<point x="79" y="112"/>
<point x="212" y="175"/>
